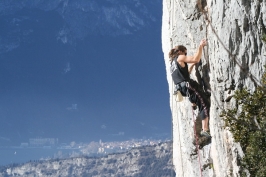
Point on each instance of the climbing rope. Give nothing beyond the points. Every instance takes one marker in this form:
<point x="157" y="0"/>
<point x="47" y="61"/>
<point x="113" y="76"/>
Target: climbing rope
<point x="195" y="132"/>
<point x="233" y="57"/>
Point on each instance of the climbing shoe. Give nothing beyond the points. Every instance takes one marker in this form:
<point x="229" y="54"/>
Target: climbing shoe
<point x="194" y="106"/>
<point x="205" y="133"/>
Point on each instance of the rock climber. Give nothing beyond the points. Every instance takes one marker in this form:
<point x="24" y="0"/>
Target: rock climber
<point x="187" y="86"/>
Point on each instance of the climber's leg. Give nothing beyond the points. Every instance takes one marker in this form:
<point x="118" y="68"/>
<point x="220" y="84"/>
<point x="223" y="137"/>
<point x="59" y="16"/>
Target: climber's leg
<point x="205" y="124"/>
<point x="205" y="128"/>
<point x="196" y="95"/>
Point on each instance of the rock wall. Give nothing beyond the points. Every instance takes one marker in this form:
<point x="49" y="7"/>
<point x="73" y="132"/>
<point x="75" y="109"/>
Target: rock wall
<point x="234" y="58"/>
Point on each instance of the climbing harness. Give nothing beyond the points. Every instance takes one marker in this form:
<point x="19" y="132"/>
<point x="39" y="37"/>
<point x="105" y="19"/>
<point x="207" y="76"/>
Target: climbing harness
<point x="178" y="96"/>
<point x="177" y="93"/>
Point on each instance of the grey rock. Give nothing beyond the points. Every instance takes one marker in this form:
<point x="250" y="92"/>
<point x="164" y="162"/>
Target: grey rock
<point x="233" y="59"/>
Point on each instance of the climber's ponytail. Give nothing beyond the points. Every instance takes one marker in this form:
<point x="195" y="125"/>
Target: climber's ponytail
<point x="174" y="52"/>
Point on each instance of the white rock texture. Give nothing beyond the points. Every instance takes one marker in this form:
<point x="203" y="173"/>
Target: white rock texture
<point x="234" y="58"/>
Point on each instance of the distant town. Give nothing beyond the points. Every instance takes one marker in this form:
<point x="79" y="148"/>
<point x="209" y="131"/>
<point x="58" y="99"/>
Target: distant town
<point x="90" y="149"/>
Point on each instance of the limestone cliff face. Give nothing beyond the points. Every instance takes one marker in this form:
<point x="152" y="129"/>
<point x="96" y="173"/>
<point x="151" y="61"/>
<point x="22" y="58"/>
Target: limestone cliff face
<point x="234" y="58"/>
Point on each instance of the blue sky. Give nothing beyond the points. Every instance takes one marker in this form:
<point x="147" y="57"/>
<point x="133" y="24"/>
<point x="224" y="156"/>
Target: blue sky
<point x="82" y="71"/>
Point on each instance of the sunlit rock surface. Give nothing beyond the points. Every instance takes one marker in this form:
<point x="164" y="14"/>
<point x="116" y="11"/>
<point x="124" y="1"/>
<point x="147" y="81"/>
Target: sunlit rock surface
<point x="234" y="58"/>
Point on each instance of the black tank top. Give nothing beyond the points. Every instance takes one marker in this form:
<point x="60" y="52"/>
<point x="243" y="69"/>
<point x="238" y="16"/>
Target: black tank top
<point x="179" y="73"/>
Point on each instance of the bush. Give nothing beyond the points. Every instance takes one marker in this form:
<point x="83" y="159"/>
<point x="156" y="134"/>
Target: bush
<point x="247" y="122"/>
<point x="264" y="37"/>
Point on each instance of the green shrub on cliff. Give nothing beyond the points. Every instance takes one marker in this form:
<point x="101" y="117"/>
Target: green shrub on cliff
<point x="263" y="37"/>
<point x="247" y="122"/>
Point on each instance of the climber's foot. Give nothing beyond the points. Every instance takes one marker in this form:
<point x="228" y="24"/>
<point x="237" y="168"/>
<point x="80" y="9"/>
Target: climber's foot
<point x="194" y="106"/>
<point x="205" y="133"/>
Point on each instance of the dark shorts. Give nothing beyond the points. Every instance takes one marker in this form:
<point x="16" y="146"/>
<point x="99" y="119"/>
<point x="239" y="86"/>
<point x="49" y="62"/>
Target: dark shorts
<point x="197" y="95"/>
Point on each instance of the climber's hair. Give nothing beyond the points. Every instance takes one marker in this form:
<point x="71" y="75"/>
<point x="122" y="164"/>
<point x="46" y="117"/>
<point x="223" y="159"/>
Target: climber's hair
<point x="174" y="52"/>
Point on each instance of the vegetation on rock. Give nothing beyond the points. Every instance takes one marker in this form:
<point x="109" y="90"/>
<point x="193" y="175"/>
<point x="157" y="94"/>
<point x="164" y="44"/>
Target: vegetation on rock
<point x="264" y="37"/>
<point x="247" y="122"/>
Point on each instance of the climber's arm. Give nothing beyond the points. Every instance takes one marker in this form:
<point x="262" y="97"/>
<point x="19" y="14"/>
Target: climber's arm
<point x="191" y="67"/>
<point x="196" y="57"/>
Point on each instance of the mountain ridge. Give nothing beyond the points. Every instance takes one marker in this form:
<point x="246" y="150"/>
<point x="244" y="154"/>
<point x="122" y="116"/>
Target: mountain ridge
<point x="155" y="161"/>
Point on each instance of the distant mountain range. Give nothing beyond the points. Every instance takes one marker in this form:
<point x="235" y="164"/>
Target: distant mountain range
<point x="147" y="161"/>
<point x="75" y="19"/>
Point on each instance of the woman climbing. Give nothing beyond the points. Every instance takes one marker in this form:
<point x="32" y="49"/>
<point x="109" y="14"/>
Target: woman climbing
<point x="188" y="87"/>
